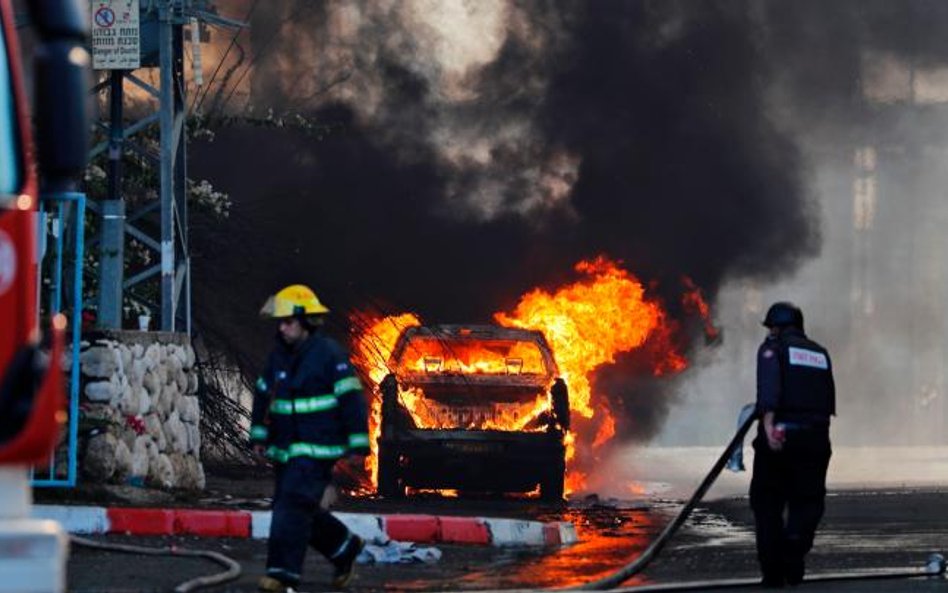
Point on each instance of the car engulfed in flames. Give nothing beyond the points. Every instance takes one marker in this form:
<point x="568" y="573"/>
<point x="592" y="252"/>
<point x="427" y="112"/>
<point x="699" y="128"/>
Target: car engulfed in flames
<point x="474" y="409"/>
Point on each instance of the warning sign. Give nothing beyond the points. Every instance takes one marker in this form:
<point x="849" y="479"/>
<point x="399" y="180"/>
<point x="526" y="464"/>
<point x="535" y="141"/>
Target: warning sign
<point x="115" y="35"/>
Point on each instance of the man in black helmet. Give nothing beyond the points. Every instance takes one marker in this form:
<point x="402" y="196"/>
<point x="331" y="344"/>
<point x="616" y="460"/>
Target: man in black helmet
<point x="795" y="398"/>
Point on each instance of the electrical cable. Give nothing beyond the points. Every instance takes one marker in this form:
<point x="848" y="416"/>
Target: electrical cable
<point x="232" y="572"/>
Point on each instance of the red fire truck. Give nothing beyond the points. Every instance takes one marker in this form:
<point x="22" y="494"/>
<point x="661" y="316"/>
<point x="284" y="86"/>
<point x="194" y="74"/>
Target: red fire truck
<point x="52" y="154"/>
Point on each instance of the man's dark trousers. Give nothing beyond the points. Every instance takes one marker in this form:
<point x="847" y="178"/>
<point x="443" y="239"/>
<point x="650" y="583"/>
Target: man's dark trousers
<point x="794" y="479"/>
<point x="298" y="520"/>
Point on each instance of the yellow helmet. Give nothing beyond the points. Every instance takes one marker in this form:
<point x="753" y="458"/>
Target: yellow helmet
<point x="293" y="300"/>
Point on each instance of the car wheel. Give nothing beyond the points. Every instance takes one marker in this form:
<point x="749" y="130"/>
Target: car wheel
<point x="390" y="485"/>
<point x="552" y="486"/>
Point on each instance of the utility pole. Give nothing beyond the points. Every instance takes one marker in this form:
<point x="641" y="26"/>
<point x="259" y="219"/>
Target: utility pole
<point x="112" y="234"/>
<point x="174" y="253"/>
<point x="157" y="24"/>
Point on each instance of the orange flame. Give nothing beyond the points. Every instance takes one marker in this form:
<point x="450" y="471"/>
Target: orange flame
<point x="693" y="302"/>
<point x="372" y="345"/>
<point x="607" y="428"/>
<point x="587" y="323"/>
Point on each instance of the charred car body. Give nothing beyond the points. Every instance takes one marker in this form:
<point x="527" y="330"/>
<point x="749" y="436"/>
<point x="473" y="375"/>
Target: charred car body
<point x="473" y="408"/>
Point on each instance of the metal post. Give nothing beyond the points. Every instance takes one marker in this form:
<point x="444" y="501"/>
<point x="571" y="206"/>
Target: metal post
<point x="168" y="145"/>
<point x="59" y="229"/>
<point x="80" y="200"/>
<point x="182" y="267"/>
<point x="112" y="256"/>
<point x="116" y="132"/>
<point x="65" y="203"/>
<point x="172" y="248"/>
<point x="112" y="246"/>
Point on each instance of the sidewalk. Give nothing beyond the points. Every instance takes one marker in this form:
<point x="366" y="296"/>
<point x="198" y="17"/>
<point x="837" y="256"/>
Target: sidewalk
<point x="86" y="520"/>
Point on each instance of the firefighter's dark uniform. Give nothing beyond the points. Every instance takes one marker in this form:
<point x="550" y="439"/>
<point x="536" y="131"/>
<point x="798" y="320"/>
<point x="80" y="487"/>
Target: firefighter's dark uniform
<point x="795" y="381"/>
<point x="310" y="411"/>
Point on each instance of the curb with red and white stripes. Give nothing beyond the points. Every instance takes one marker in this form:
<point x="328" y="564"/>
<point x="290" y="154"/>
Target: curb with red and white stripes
<point x="85" y="520"/>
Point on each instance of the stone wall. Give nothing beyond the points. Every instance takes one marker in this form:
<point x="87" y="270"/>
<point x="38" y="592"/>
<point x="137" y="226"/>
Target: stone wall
<point x="139" y="412"/>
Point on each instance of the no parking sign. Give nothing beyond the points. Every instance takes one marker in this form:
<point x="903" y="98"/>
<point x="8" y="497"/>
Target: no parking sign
<point x="115" y="35"/>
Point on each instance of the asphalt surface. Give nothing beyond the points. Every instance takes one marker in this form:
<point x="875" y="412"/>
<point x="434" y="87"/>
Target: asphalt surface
<point x="863" y="530"/>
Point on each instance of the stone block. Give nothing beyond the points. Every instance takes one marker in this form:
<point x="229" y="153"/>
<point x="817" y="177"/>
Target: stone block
<point x="181" y="380"/>
<point x="140" y="394"/>
<point x="154" y="428"/>
<point x="129" y="402"/>
<point x="189" y="409"/>
<point x="101" y="391"/>
<point x="125" y="356"/>
<point x="152" y="383"/>
<point x="101" y="413"/>
<point x="128" y="436"/>
<point x="192" y="383"/>
<point x="123" y="462"/>
<point x="98" y="464"/>
<point x="152" y="356"/>
<point x="100" y="362"/>
<point x="140" y="457"/>
<point x="136" y="371"/>
<point x="176" y="433"/>
<point x="190" y="357"/>
<point x="194" y="439"/>
<point x="161" y="472"/>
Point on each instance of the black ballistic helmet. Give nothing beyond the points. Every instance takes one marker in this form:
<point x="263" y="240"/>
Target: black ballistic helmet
<point x="784" y="314"/>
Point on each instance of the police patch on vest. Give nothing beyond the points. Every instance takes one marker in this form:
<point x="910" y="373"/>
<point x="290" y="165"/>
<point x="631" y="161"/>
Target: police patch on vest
<point x="808" y="358"/>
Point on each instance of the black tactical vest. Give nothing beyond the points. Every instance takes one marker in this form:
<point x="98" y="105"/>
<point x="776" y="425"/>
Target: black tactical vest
<point x="807" y="391"/>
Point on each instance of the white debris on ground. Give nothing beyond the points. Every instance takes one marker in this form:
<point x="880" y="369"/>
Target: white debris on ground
<point x="394" y="552"/>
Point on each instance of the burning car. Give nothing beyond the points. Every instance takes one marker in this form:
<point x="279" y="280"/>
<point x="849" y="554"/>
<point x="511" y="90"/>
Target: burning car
<point x="473" y="408"/>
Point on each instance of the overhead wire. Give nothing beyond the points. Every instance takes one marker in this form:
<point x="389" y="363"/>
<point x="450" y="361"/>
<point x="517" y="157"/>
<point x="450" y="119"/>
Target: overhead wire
<point x="199" y="101"/>
<point x="264" y="48"/>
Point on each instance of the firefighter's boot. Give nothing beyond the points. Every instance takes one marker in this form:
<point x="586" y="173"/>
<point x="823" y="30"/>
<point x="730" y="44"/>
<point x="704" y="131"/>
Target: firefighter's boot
<point x="345" y="562"/>
<point x="269" y="584"/>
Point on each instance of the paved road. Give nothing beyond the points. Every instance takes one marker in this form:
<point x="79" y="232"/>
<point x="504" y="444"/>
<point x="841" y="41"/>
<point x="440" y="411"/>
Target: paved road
<point x="862" y="530"/>
<point x="888" y="508"/>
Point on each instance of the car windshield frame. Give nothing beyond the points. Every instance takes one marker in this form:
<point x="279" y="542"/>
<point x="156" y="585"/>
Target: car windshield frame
<point x="452" y="356"/>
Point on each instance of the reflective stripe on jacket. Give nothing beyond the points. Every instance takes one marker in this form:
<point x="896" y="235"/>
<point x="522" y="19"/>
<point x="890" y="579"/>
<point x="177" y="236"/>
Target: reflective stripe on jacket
<point x="309" y="403"/>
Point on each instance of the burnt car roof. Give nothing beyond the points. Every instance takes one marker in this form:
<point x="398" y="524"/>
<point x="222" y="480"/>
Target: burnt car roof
<point x="477" y="332"/>
<point x="458" y="332"/>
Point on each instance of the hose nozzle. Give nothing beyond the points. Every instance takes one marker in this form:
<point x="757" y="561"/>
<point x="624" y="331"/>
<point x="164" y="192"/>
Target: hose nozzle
<point x="736" y="462"/>
<point x="935" y="565"/>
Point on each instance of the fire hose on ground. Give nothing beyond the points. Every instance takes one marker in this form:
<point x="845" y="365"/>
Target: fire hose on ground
<point x="935" y="565"/>
<point x="232" y="572"/>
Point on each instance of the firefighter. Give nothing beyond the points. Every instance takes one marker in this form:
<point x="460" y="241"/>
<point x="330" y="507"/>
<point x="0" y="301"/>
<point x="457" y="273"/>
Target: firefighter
<point x="310" y="419"/>
<point x="795" y="398"/>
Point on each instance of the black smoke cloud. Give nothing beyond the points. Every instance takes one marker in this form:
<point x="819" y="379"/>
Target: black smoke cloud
<point x="654" y="116"/>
